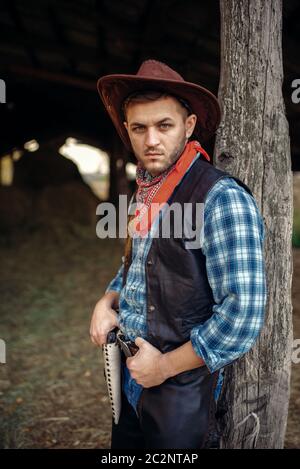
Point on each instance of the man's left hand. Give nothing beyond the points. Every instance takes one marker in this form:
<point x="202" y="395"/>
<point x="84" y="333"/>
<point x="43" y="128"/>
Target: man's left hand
<point x="147" y="366"/>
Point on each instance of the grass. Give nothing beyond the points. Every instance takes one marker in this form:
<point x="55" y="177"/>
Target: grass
<point x="52" y="392"/>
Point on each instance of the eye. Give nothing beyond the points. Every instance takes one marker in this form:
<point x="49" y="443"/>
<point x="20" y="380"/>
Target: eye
<point x="139" y="128"/>
<point x="165" y="126"/>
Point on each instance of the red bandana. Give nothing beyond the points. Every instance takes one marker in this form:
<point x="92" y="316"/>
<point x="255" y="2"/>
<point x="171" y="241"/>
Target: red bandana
<point x="147" y="185"/>
<point x="152" y="195"/>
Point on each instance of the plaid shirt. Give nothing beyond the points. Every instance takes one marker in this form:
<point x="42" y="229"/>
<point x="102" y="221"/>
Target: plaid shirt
<point x="233" y="247"/>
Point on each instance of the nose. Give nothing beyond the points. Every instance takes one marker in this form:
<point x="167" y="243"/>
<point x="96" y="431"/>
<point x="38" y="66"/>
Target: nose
<point x="151" y="137"/>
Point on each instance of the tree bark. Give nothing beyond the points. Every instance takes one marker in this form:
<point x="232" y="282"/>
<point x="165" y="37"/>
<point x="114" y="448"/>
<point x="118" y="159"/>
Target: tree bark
<point x="117" y="178"/>
<point x="253" y="144"/>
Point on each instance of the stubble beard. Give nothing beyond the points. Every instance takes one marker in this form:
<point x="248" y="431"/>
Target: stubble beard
<point x="174" y="156"/>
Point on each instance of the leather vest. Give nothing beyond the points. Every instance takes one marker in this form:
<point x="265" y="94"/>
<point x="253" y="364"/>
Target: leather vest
<point x="179" y="297"/>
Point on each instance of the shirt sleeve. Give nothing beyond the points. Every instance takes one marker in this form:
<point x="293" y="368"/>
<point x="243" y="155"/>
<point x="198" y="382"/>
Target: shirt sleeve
<point x="233" y="246"/>
<point x="117" y="281"/>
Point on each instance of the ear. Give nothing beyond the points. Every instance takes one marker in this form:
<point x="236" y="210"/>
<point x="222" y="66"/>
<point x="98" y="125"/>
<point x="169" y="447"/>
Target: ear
<point x="125" y="125"/>
<point x="190" y="124"/>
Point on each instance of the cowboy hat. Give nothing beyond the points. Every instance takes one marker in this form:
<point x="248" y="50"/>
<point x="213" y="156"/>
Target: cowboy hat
<point x="155" y="75"/>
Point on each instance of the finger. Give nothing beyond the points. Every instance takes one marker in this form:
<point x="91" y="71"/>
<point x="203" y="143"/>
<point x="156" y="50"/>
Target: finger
<point x="93" y="340"/>
<point x="102" y="338"/>
<point x="128" y="362"/>
<point x="98" y="339"/>
<point x="139" y="341"/>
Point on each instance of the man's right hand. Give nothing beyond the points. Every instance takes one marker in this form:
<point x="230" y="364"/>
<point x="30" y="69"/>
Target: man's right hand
<point x="104" y="318"/>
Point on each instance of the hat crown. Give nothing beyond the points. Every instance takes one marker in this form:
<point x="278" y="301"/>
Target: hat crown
<point x="156" y="69"/>
<point x="153" y="74"/>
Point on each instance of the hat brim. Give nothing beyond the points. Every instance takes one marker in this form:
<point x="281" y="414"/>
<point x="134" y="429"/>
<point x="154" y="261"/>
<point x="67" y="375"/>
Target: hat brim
<point x="114" y="89"/>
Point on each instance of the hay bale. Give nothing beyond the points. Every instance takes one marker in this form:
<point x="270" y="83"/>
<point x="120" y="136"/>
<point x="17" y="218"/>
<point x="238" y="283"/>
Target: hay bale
<point x="73" y="201"/>
<point x="15" y="209"/>
<point x="42" y="168"/>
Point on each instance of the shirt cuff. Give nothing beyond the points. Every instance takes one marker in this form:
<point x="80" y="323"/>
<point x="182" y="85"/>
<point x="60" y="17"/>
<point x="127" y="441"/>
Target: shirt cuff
<point x="211" y="361"/>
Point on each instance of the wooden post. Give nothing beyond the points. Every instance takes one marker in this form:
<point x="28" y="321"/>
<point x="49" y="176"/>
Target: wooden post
<point x="118" y="179"/>
<point x="253" y="144"/>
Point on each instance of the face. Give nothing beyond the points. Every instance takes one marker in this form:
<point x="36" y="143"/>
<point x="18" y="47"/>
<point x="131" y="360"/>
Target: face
<point x="158" y="132"/>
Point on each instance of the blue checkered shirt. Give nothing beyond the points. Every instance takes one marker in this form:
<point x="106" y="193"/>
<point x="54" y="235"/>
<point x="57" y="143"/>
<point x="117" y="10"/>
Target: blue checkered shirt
<point x="233" y="247"/>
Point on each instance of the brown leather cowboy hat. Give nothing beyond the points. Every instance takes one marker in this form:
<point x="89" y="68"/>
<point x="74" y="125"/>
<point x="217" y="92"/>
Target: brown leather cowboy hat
<point x="155" y="75"/>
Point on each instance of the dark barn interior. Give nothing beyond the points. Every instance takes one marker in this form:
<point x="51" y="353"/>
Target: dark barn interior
<point x="52" y="53"/>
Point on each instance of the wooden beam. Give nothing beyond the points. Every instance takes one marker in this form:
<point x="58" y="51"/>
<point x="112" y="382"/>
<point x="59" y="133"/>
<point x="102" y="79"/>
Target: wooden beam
<point x="23" y="34"/>
<point x="39" y="74"/>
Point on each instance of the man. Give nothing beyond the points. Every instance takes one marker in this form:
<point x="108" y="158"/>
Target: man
<point x="191" y="311"/>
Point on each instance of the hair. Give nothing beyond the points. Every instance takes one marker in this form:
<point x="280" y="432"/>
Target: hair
<point x="152" y="95"/>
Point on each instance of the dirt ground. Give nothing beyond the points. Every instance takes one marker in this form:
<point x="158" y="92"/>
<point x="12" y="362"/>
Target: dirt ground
<point x="52" y="391"/>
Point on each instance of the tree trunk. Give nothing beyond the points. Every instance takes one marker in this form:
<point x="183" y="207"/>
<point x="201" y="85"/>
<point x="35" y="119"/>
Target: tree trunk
<point x="253" y="144"/>
<point x="118" y="183"/>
